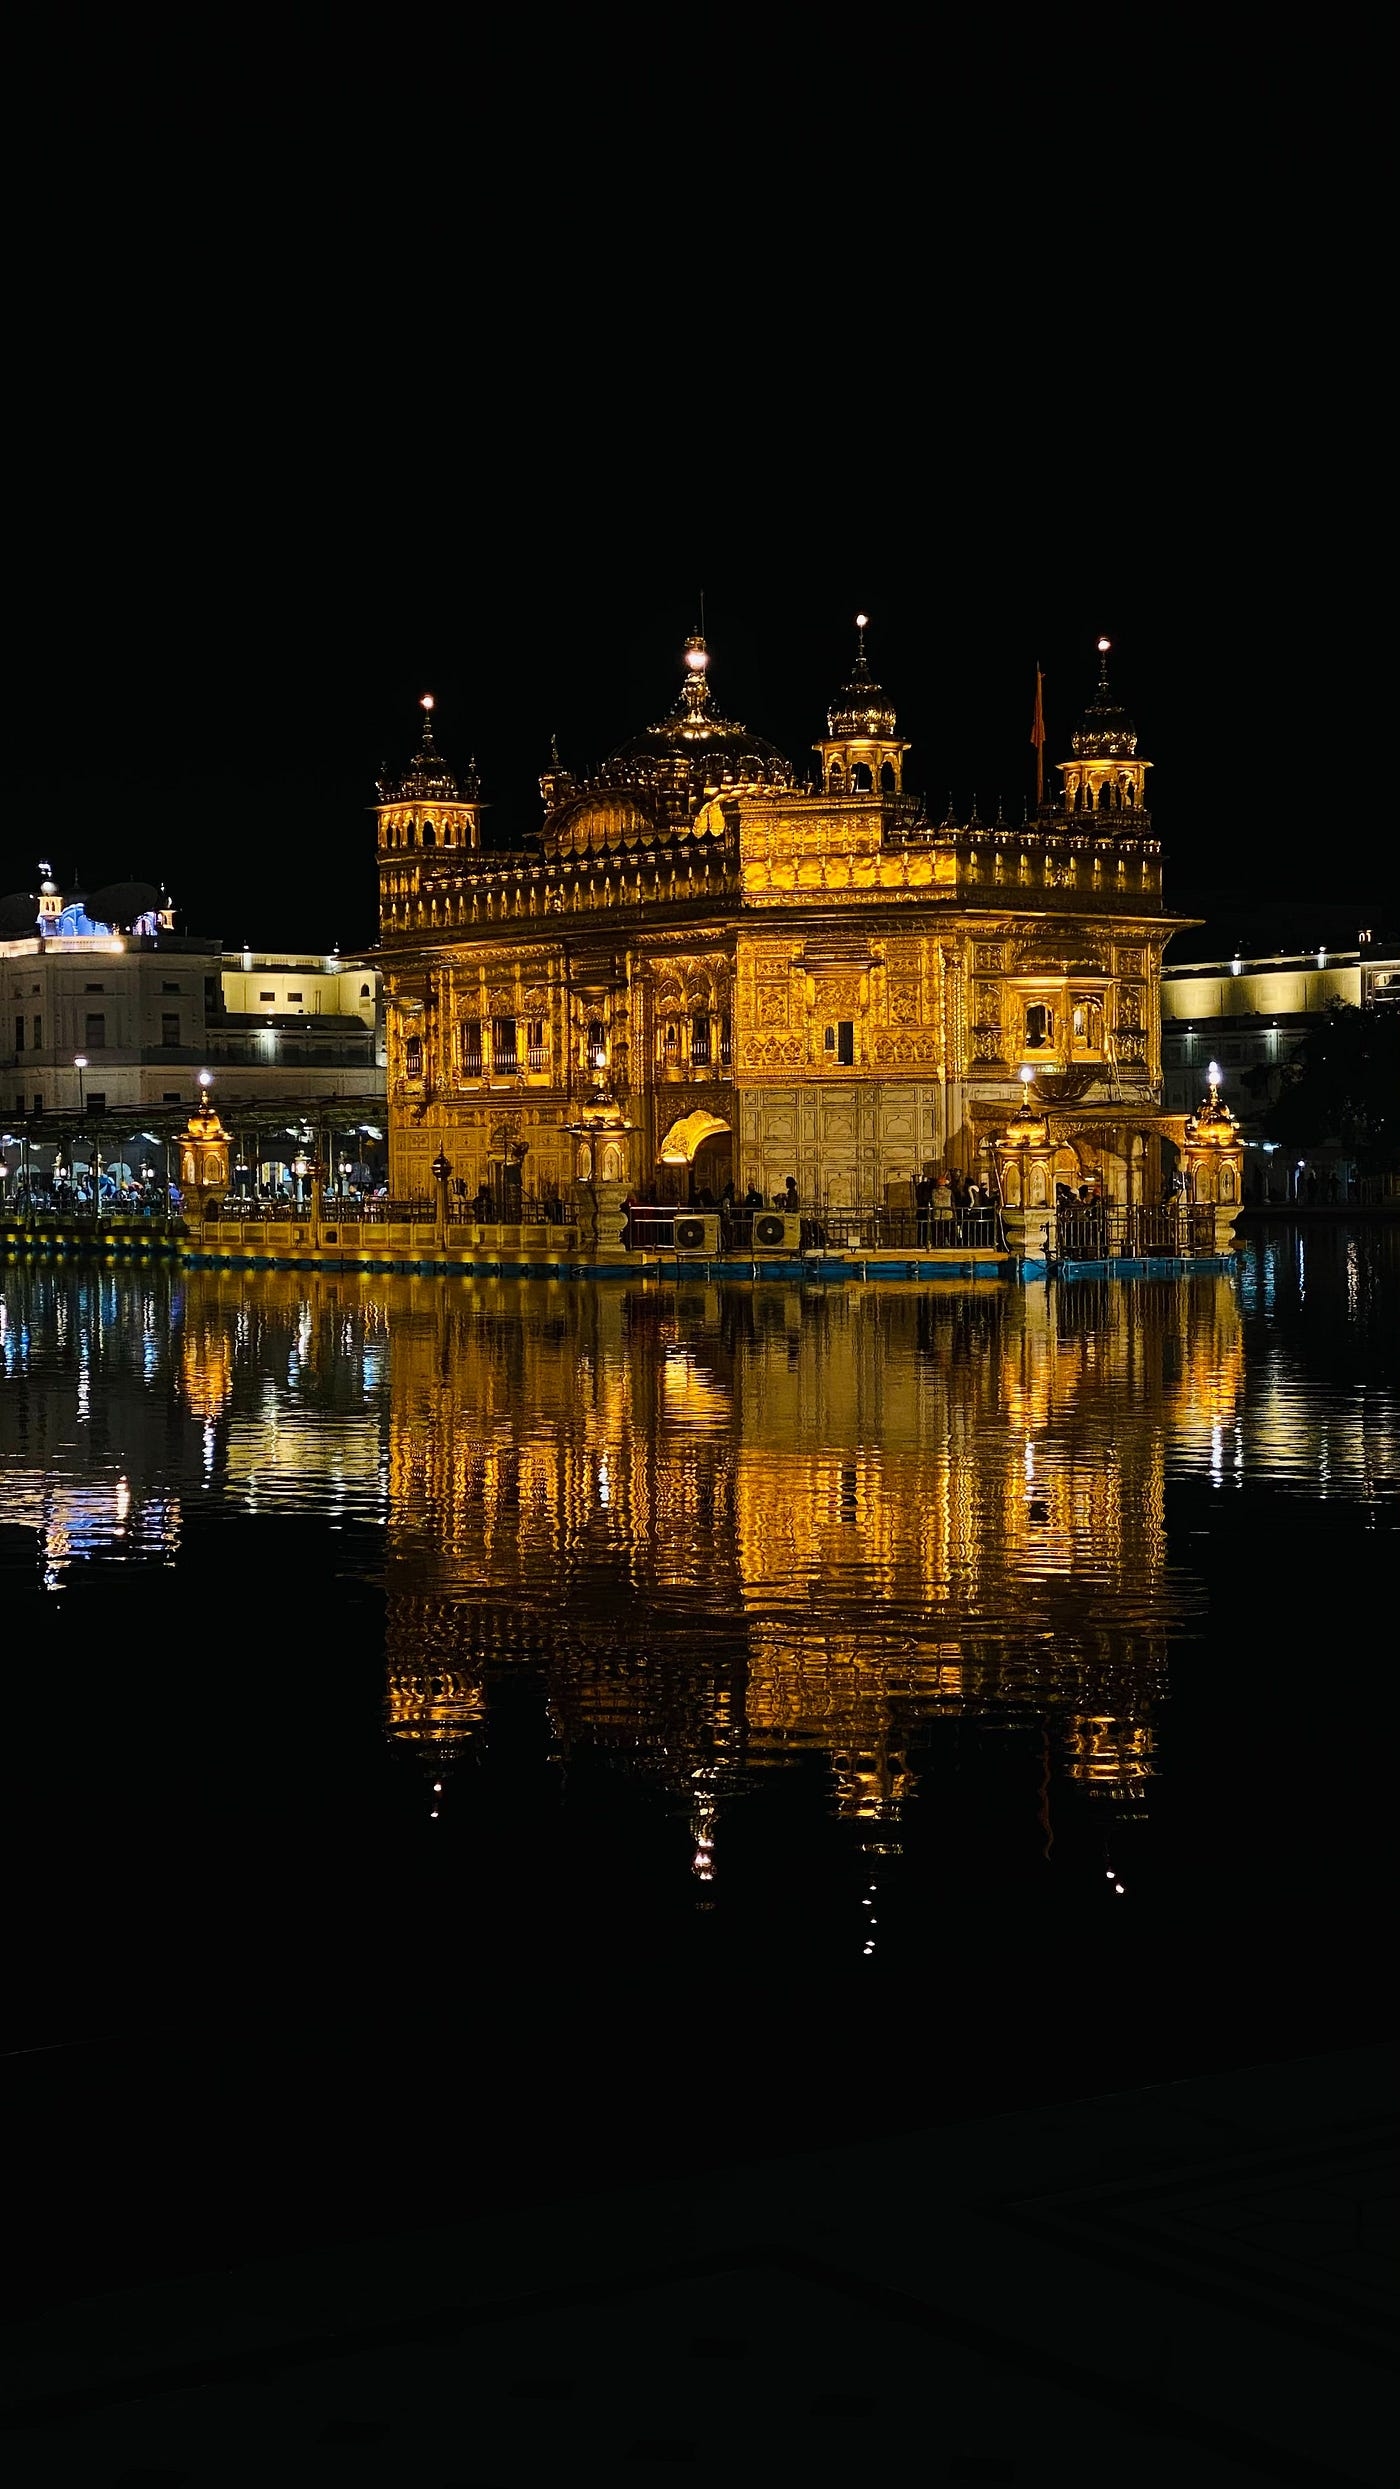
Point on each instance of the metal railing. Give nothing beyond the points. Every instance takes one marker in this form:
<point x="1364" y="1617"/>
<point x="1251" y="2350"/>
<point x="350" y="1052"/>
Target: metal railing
<point x="358" y="1210"/>
<point x="651" y="1228"/>
<point x="347" y="1208"/>
<point x="1098" y="1231"/>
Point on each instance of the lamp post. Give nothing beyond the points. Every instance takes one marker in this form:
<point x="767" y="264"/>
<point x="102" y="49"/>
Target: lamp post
<point x="80" y="1064"/>
<point x="442" y="1169"/>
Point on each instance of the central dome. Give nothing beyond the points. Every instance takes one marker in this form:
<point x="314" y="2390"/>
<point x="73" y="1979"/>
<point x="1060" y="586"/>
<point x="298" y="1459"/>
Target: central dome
<point x="711" y="751"/>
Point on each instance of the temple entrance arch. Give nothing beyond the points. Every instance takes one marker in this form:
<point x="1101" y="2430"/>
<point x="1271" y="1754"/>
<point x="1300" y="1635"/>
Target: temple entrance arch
<point x="695" y="1156"/>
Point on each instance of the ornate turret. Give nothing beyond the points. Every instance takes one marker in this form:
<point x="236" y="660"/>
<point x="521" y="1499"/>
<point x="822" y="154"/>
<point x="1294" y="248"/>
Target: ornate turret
<point x="429" y="806"/>
<point x="860" y="751"/>
<point x="1214" y="1158"/>
<point x="1105" y="774"/>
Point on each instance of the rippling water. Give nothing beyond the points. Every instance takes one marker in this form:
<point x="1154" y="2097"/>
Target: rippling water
<point x="375" y="1641"/>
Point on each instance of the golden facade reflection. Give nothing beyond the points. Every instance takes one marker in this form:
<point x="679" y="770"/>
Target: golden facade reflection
<point x="729" y="1529"/>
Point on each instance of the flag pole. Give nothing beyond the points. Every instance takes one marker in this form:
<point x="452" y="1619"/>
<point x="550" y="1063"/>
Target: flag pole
<point x="1038" y="736"/>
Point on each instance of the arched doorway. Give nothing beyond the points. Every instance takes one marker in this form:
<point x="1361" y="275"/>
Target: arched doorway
<point x="695" y="1157"/>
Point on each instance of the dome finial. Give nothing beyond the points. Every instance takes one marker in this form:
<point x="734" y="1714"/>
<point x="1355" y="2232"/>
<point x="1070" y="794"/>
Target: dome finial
<point x="695" y="692"/>
<point x="862" y="625"/>
<point x="1104" y="647"/>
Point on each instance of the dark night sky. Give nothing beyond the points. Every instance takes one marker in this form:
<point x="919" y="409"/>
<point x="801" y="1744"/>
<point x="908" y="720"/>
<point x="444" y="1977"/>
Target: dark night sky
<point x="303" y="444"/>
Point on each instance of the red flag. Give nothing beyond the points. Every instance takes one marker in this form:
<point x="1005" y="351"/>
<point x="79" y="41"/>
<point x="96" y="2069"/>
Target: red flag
<point x="1038" y="736"/>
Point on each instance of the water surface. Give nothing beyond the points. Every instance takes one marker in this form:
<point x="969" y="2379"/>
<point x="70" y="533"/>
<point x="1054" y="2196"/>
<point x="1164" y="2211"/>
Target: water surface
<point x="488" y="1727"/>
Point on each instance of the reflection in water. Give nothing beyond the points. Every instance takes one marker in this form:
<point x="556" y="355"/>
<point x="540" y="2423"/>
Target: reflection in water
<point x="733" y="1526"/>
<point x="723" y="1529"/>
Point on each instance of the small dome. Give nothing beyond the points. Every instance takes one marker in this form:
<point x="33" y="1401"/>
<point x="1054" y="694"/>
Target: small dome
<point x="427" y="779"/>
<point x="861" y="706"/>
<point x="1105" y="732"/>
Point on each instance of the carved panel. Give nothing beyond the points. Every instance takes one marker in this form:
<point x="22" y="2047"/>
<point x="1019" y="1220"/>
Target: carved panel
<point x="896" y="1046"/>
<point x="904" y="1002"/>
<point x="1130" y="963"/>
<point x="763" y="1054"/>
<point x="1130" y="1007"/>
<point x="988" y="955"/>
<point x="772" y="1006"/>
<point x="837" y="997"/>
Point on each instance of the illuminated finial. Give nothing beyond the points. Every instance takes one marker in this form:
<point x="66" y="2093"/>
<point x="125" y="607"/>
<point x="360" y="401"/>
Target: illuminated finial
<point x="428" y="702"/>
<point x="1104" y="647"/>
<point x="695" y="691"/>
<point x="862" y="626"/>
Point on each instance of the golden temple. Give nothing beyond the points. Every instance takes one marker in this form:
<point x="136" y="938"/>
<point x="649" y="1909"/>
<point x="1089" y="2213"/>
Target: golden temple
<point x="706" y="971"/>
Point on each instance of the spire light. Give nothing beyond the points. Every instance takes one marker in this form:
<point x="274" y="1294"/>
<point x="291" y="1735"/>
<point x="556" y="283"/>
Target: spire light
<point x="427" y="701"/>
<point x="1104" y="646"/>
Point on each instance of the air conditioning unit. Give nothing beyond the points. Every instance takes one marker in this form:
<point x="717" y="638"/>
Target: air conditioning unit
<point x="697" y="1231"/>
<point x="776" y="1231"/>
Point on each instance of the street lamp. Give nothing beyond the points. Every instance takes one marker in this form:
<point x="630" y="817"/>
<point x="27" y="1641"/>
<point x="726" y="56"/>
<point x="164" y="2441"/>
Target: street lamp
<point x="80" y="1064"/>
<point x="442" y="1169"/>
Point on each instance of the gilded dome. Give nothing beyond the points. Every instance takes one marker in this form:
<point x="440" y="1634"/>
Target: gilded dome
<point x="427" y="779"/>
<point x="711" y="750"/>
<point x="1105" y="732"/>
<point x="861" y="706"/>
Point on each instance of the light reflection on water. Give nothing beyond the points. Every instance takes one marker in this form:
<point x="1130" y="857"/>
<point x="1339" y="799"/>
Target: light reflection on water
<point x="724" y="1528"/>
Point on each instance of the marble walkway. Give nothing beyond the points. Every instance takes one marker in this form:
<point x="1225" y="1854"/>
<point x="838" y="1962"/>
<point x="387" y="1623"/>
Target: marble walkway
<point x="1192" y="2284"/>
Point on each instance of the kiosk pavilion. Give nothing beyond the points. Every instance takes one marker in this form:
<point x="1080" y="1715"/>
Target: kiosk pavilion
<point x="705" y="970"/>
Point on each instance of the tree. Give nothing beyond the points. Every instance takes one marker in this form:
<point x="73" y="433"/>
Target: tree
<point x="1342" y="1089"/>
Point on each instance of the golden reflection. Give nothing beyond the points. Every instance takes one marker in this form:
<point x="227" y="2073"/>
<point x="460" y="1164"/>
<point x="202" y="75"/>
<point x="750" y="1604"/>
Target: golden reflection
<point x="735" y="1528"/>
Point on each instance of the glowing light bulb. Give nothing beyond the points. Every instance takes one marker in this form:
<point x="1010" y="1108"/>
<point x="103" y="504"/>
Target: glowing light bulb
<point x="696" y="659"/>
<point x="862" y="621"/>
<point x="1104" y="647"/>
<point x="427" y="701"/>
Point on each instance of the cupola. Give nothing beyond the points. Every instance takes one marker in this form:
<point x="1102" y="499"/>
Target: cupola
<point x="429" y="806"/>
<point x="1105" y="775"/>
<point x="861" y="754"/>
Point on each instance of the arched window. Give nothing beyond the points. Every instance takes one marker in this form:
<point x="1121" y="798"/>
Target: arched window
<point x="887" y="778"/>
<point x="861" y="780"/>
<point x="1040" y="1024"/>
<point x="595" y="1046"/>
<point x="364" y="993"/>
<point x="429" y="835"/>
<point x="700" y="1037"/>
<point x="1087" y="1023"/>
<point x="410" y="832"/>
<point x="671" y="1043"/>
<point x="837" y="779"/>
<point x="413" y="1058"/>
<point x="1105" y="797"/>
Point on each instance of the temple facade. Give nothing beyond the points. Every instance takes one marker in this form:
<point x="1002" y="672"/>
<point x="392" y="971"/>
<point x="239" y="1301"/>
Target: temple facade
<point x="707" y="970"/>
